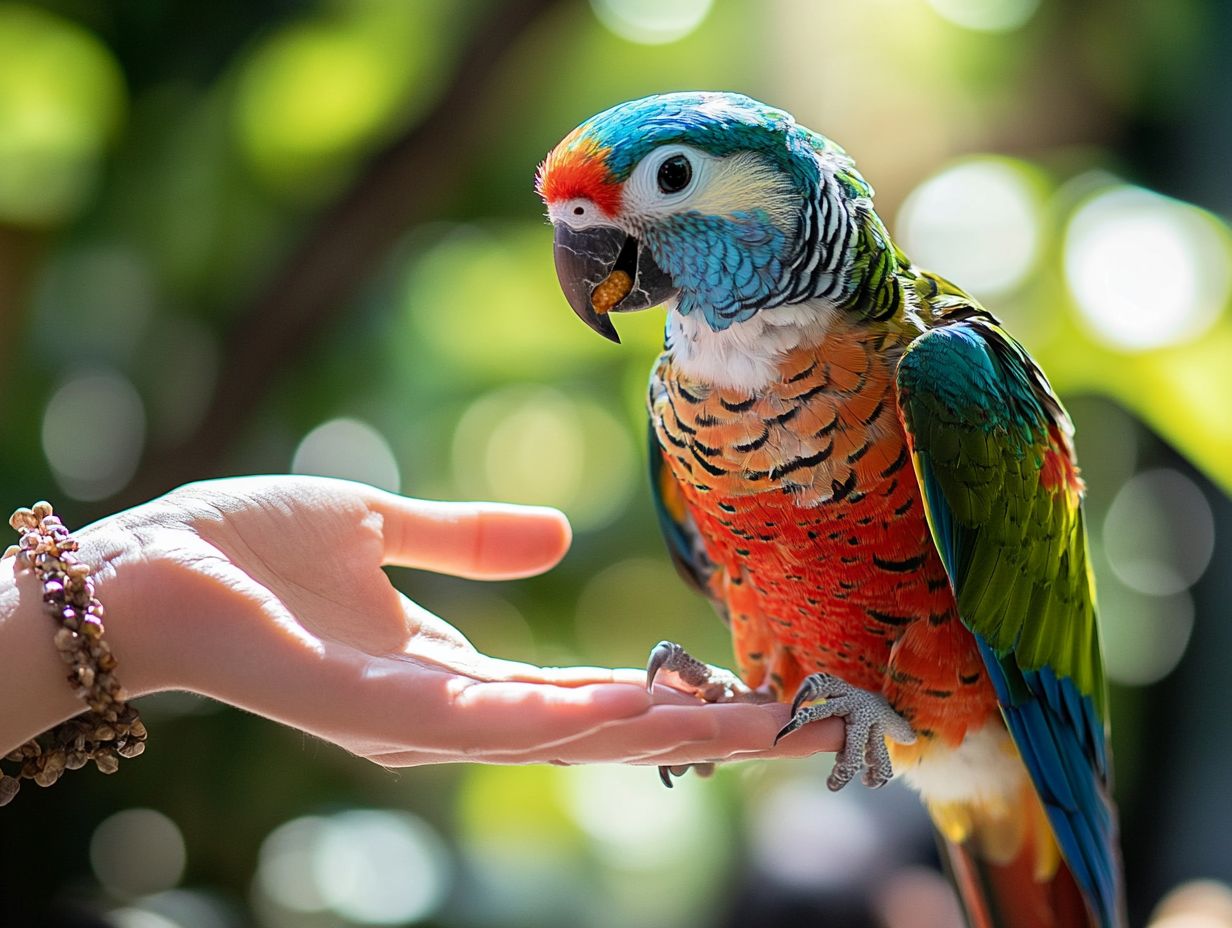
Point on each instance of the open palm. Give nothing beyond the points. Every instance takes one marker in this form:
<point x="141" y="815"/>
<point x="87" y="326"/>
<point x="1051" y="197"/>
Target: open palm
<point x="268" y="593"/>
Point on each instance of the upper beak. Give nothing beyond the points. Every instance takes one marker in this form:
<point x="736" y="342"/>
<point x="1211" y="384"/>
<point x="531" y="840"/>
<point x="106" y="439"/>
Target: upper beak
<point x="603" y="270"/>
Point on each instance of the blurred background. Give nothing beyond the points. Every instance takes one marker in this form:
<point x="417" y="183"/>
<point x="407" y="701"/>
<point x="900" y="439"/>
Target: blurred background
<point x="301" y="236"/>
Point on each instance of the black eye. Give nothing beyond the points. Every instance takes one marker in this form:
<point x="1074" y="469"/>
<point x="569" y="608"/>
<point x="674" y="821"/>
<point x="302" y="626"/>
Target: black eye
<point x="675" y="174"/>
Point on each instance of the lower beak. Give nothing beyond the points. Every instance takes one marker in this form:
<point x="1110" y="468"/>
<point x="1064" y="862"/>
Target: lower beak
<point x="603" y="270"/>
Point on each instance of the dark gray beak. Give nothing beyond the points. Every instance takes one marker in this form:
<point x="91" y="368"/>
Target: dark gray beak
<point x="586" y="258"/>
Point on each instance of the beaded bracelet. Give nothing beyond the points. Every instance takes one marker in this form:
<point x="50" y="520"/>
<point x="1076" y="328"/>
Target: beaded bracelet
<point x="111" y="728"/>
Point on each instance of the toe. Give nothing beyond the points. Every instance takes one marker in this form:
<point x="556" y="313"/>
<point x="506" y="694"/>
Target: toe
<point x="898" y="729"/>
<point x="844" y="770"/>
<point x="879" y="769"/>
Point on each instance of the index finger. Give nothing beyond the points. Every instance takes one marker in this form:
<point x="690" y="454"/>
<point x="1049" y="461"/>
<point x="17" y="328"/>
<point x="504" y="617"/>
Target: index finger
<point x="482" y="541"/>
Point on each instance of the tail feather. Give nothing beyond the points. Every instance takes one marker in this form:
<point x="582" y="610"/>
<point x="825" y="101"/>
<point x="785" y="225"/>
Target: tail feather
<point x="1007" y="868"/>
<point x="1010" y="895"/>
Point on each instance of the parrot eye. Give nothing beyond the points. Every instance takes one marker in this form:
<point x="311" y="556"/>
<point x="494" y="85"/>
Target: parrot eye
<point x="675" y="174"/>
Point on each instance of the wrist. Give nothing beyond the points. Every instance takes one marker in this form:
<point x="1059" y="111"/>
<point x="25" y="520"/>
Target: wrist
<point x="33" y="683"/>
<point x="52" y="738"/>
<point x="124" y="583"/>
<point x="33" y="678"/>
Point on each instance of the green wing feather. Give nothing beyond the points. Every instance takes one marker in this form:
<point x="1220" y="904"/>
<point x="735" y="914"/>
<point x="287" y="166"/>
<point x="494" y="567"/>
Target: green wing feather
<point x="992" y="451"/>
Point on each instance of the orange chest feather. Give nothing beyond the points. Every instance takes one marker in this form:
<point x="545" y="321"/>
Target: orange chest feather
<point x="805" y="498"/>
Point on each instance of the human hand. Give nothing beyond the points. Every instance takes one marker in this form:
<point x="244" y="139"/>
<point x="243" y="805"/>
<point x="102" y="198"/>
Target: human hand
<point x="267" y="593"/>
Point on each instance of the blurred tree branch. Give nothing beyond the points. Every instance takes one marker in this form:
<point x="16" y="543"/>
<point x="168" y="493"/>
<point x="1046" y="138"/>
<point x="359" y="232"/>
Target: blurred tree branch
<point x="398" y="188"/>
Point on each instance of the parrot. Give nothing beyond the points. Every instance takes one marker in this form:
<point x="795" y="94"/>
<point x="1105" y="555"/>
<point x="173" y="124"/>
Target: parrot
<point x="868" y="476"/>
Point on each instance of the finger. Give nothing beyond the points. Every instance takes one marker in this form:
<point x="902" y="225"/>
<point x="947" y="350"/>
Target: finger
<point x="439" y="711"/>
<point x="614" y="741"/>
<point x="746" y="731"/>
<point x="547" y="723"/>
<point x="665" y="734"/>
<point x="484" y="541"/>
<point x="497" y="669"/>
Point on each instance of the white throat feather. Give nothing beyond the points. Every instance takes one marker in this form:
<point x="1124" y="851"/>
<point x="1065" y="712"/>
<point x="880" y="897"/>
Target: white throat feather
<point x="746" y="355"/>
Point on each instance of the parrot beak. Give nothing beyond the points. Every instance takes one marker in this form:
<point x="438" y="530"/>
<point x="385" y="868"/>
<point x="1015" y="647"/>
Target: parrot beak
<point x="604" y="270"/>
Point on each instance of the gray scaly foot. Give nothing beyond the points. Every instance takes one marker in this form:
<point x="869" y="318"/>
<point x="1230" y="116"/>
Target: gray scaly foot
<point x="868" y="720"/>
<point x="706" y="682"/>
<point x="711" y="684"/>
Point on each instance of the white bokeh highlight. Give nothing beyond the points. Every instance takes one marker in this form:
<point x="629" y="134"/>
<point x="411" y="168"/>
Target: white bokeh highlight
<point x="613" y="806"/>
<point x="367" y="866"/>
<point x="350" y="449"/>
<point x="978" y="223"/>
<point x="986" y="15"/>
<point x="651" y="22"/>
<point x="93" y="433"/>
<point x="378" y="867"/>
<point x="794" y="828"/>
<point x="1146" y="271"/>
<point x="538" y="445"/>
<point x="1159" y="533"/>
<point x="1144" y="637"/>
<point x="136" y="852"/>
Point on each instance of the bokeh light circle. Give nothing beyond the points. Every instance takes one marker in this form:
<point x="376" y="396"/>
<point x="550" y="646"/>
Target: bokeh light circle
<point x="1196" y="904"/>
<point x="537" y="445"/>
<point x="176" y="908"/>
<point x="651" y="22"/>
<point x="63" y="98"/>
<point x="349" y="449"/>
<point x="131" y="917"/>
<point x="1144" y="637"/>
<point x="630" y="799"/>
<point x="986" y="15"/>
<point x="93" y="432"/>
<point x="978" y="222"/>
<point x="1159" y="533"/>
<point x="379" y="867"/>
<point x="136" y="852"/>
<point x="1145" y="270"/>
<point x="369" y="866"/>
<point x="284" y="867"/>
<point x="796" y="824"/>
<point x="662" y="851"/>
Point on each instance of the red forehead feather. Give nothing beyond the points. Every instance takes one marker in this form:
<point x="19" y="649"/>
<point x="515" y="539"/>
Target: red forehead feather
<point x="575" y="168"/>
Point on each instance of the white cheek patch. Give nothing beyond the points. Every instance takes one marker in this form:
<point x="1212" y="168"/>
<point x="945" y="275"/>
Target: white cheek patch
<point x="578" y="213"/>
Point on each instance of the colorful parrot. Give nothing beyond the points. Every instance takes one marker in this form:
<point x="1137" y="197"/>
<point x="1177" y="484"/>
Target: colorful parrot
<point x="868" y="476"/>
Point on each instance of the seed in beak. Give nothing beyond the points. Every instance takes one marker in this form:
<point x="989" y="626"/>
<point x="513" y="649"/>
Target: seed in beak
<point x="611" y="290"/>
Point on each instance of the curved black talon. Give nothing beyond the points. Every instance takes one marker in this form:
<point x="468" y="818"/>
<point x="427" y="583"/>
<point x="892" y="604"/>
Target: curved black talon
<point x="667" y="771"/>
<point x="797" y="722"/>
<point x="660" y="654"/>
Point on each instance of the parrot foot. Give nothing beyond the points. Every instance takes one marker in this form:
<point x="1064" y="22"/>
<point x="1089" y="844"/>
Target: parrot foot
<point x="868" y="719"/>
<point x="708" y="683"/>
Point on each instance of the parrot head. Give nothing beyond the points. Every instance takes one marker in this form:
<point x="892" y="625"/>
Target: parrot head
<point x="715" y="201"/>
